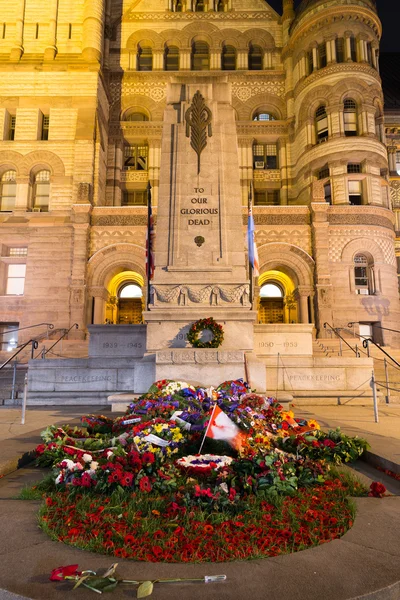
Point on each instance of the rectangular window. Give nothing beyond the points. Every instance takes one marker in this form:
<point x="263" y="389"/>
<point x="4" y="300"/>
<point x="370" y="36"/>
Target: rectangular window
<point x="310" y="62"/>
<point x="265" y="156"/>
<point x="17" y="251"/>
<point x="322" y="55"/>
<point x="353" y="49"/>
<point x="398" y="162"/>
<point x="15" y="280"/>
<point x="11" y="127"/>
<point x="355" y="192"/>
<point x="45" y="127"/>
<point x="350" y="123"/>
<point x="134" y="198"/>
<point x="266" y="198"/>
<point x="369" y="53"/>
<point x="328" y="193"/>
<point x="8" y="336"/>
<point x="340" y="50"/>
<point x="135" y="157"/>
<point x="354" y="168"/>
<point x="323" y="173"/>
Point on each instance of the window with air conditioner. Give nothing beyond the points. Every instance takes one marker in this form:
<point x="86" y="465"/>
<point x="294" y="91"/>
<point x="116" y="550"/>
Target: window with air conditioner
<point x="265" y="156"/>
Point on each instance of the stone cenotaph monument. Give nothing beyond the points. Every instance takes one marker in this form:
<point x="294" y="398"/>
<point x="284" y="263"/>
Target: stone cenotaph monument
<point x="200" y="266"/>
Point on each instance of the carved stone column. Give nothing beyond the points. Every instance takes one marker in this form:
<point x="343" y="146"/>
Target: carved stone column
<point x="92" y="39"/>
<point x="51" y="50"/>
<point x="18" y="48"/>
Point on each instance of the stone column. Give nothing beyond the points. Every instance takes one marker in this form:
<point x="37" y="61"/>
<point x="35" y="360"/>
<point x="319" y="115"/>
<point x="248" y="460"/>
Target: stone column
<point x="303" y="306"/>
<point x="99" y="310"/>
<point x="18" y="48"/>
<point x="245" y="166"/>
<point x="51" y="50"/>
<point x="154" y="168"/>
<point x="347" y="39"/>
<point x="242" y="60"/>
<point x="92" y="37"/>
<point x="158" y="59"/>
<point x="284" y="171"/>
<point x="315" y="56"/>
<point x="215" y="59"/>
<point x="392" y="159"/>
<point x="267" y="62"/>
<point x="81" y="216"/>
<point x="184" y="60"/>
<point x="320" y="238"/>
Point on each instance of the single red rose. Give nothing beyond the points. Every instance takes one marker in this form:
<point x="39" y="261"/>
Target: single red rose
<point x="377" y="489"/>
<point x="329" y="444"/>
<point x="61" y="573"/>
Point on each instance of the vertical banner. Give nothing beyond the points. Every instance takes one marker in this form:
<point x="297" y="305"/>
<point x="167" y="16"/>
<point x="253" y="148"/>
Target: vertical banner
<point x="252" y="246"/>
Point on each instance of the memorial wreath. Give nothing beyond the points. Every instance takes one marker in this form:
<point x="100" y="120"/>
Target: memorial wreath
<point x="202" y="325"/>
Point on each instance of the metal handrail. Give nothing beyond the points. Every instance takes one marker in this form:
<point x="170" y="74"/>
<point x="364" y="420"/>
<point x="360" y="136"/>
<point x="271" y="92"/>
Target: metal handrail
<point x="373" y="325"/>
<point x="66" y="332"/>
<point x="367" y="341"/>
<point x="49" y="325"/>
<point x="34" y="347"/>
<point x="356" y="352"/>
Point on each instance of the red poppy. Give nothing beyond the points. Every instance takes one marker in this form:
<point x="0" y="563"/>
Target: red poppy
<point x="62" y="572"/>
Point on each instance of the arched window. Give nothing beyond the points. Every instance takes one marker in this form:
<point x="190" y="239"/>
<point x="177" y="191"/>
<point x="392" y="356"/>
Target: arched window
<point x="255" y="58"/>
<point x="363" y="275"/>
<point x="145" y="58"/>
<point x="350" y="117"/>
<point x="271" y="290"/>
<point x="325" y="174"/>
<point x="132" y="290"/>
<point x="200" y="56"/>
<point x="322" y="58"/>
<point x="136" y="116"/>
<point x="199" y="6"/>
<point x="171" y="58"/>
<point x="41" y="191"/>
<point x="263" y="116"/>
<point x="321" y="124"/>
<point x="8" y="191"/>
<point x="228" y="58"/>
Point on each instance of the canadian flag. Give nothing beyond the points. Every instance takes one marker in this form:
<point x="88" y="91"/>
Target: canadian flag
<point x="221" y="427"/>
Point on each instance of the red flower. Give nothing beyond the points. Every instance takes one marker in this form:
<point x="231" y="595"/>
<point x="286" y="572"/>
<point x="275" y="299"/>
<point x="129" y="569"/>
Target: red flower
<point x="62" y="572"/>
<point x="129" y="539"/>
<point x="329" y="444"/>
<point x="127" y="479"/>
<point x="148" y="458"/>
<point x="145" y="485"/>
<point x="377" y="489"/>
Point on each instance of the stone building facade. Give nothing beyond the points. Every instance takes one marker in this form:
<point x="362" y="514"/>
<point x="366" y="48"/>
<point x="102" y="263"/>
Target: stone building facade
<point x="83" y="93"/>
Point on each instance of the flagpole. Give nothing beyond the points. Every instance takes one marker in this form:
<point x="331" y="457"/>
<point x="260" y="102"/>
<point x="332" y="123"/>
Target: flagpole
<point x="149" y="249"/>
<point x="208" y="427"/>
<point x="250" y="200"/>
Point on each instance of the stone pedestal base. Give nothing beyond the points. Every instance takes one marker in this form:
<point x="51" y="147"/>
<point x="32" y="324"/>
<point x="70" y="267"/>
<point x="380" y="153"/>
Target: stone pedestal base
<point x="204" y="367"/>
<point x="168" y="329"/>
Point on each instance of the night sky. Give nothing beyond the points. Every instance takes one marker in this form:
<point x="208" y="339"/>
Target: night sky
<point x="389" y="15"/>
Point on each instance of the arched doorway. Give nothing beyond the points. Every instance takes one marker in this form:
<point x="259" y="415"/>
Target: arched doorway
<point x="125" y="299"/>
<point x="277" y="303"/>
<point x="271" y="305"/>
<point x="130" y="304"/>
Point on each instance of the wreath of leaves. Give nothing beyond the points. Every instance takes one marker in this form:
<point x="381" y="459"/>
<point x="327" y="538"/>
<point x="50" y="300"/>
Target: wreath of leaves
<point x="201" y="325"/>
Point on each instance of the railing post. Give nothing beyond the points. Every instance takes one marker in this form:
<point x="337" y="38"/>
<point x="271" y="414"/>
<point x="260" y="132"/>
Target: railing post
<point x="24" y="399"/>
<point x="43" y="352"/>
<point x="14" y="380"/>
<point x="340" y="347"/>
<point x="373" y="385"/>
<point x="387" y="381"/>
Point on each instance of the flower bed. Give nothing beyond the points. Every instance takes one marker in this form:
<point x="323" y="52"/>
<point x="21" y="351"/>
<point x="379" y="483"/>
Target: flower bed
<point x="274" y="493"/>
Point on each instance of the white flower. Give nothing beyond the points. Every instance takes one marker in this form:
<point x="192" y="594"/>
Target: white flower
<point x="224" y="488"/>
<point x="87" y="458"/>
<point x="93" y="465"/>
<point x="77" y="467"/>
<point x="60" y="478"/>
<point x="109" y="454"/>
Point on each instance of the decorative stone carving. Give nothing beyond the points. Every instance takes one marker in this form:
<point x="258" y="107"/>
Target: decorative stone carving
<point x="395" y="193"/>
<point x="200" y="357"/>
<point x="135" y="176"/>
<point x="268" y="175"/>
<point x="84" y="193"/>
<point x="198" y="119"/>
<point x="212" y="295"/>
<point x="120" y="220"/>
<point x="243" y="91"/>
<point x="359" y="219"/>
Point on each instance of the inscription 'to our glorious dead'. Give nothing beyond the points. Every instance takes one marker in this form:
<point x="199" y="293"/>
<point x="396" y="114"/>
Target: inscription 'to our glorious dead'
<point x="199" y="211"/>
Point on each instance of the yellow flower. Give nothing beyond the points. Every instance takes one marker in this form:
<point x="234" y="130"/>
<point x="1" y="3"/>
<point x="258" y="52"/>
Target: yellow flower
<point x="313" y="424"/>
<point x="158" y="428"/>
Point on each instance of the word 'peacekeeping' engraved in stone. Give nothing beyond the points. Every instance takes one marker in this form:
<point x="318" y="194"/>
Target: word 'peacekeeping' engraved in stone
<point x="198" y="119"/>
